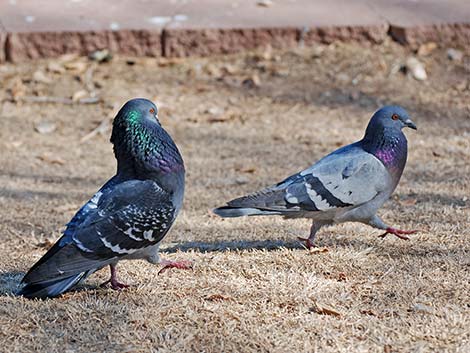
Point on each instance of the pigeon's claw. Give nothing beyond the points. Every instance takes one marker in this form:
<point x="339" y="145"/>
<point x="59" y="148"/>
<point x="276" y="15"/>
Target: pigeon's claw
<point x="398" y="233"/>
<point x="182" y="265"/>
<point x="308" y="243"/>
<point x="115" y="284"/>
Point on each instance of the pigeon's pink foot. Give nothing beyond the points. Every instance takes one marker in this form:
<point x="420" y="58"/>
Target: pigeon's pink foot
<point x="398" y="233"/>
<point x="308" y="243"/>
<point x="115" y="284"/>
<point x="182" y="265"/>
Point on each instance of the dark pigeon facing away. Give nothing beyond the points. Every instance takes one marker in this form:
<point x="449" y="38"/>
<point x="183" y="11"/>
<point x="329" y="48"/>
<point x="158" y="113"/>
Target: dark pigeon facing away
<point x="350" y="184"/>
<point x="128" y="217"/>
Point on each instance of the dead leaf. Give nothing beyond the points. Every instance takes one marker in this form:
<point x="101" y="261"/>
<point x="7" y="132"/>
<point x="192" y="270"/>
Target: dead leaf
<point x="50" y="159"/>
<point x="16" y="144"/>
<point x="213" y="111"/>
<point x="217" y="297"/>
<point x="409" y="202"/>
<point x="162" y="62"/>
<point x="45" y="127"/>
<point x="77" y="96"/>
<point x="249" y="170"/>
<point x="47" y="243"/>
<point x="324" y="310"/>
<point x="251" y="82"/>
<point x="40" y="77"/>
<point x="367" y="312"/>
<point x="222" y="118"/>
<point x="387" y="348"/>
<point x="55" y="67"/>
<point x="427" y="48"/>
<point x="67" y="58"/>
<point x="316" y="250"/>
<point x="77" y="67"/>
<point x="17" y="88"/>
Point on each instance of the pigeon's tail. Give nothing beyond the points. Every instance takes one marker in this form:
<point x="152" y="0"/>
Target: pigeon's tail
<point x="266" y="202"/>
<point x="229" y="211"/>
<point x="60" y="269"/>
<point x="51" y="288"/>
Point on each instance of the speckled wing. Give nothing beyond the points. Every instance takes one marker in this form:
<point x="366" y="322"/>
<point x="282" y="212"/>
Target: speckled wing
<point x="349" y="177"/>
<point x="121" y="221"/>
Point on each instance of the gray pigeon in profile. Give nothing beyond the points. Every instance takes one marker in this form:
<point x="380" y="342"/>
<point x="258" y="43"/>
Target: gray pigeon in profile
<point x="128" y="217"/>
<point x="348" y="185"/>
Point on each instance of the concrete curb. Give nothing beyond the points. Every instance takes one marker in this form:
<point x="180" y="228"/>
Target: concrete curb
<point x="16" y="47"/>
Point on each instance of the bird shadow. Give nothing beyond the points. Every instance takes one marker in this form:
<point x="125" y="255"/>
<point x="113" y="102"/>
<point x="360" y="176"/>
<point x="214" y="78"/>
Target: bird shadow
<point x="268" y="245"/>
<point x="354" y="244"/>
<point x="221" y="246"/>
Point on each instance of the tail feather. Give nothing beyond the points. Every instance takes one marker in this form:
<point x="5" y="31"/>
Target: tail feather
<point x="229" y="211"/>
<point x="51" y="288"/>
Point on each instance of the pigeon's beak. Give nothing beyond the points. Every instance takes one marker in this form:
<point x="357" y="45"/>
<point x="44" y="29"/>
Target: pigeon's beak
<point x="410" y="124"/>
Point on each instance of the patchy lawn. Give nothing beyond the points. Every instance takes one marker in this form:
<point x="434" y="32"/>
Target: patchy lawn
<point x="242" y="122"/>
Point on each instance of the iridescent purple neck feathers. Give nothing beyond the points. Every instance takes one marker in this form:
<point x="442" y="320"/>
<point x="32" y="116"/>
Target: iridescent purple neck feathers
<point x="389" y="146"/>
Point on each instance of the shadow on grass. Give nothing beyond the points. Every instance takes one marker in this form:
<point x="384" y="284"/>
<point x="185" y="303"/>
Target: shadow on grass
<point x="269" y="245"/>
<point x="232" y="246"/>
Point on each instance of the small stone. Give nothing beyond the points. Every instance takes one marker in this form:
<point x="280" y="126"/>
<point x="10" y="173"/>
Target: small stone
<point x="251" y="82"/>
<point x="265" y="3"/>
<point x="101" y="56"/>
<point x="45" y="127"/>
<point x="213" y="111"/>
<point x="454" y="54"/>
<point x="416" y="69"/>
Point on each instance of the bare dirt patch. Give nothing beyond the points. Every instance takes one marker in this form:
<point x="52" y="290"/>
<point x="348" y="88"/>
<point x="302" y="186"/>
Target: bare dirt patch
<point x="242" y="122"/>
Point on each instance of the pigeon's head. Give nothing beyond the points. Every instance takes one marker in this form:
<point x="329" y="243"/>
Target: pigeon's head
<point x="135" y="119"/>
<point x="390" y="117"/>
<point x="137" y="111"/>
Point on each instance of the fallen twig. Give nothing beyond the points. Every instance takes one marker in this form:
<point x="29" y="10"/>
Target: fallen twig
<point x="58" y="100"/>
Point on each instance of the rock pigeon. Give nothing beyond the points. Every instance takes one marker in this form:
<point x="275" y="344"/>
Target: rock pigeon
<point x="128" y="217"/>
<point x="349" y="184"/>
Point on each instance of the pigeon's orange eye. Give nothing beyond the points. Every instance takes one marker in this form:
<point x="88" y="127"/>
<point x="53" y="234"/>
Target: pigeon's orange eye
<point x="395" y="117"/>
<point x="152" y="111"/>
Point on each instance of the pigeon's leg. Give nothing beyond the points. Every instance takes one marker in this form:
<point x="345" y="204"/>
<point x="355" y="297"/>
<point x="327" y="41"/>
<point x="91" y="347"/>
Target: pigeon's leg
<point x="313" y="231"/>
<point x="182" y="265"/>
<point x="115" y="284"/>
<point x="376" y="222"/>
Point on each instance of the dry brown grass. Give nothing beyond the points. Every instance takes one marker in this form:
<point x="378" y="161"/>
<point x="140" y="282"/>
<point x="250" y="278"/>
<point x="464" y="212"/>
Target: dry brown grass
<point x="253" y="288"/>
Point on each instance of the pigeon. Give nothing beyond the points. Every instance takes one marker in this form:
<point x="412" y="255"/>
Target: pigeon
<point x="348" y="185"/>
<point x="128" y="217"/>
